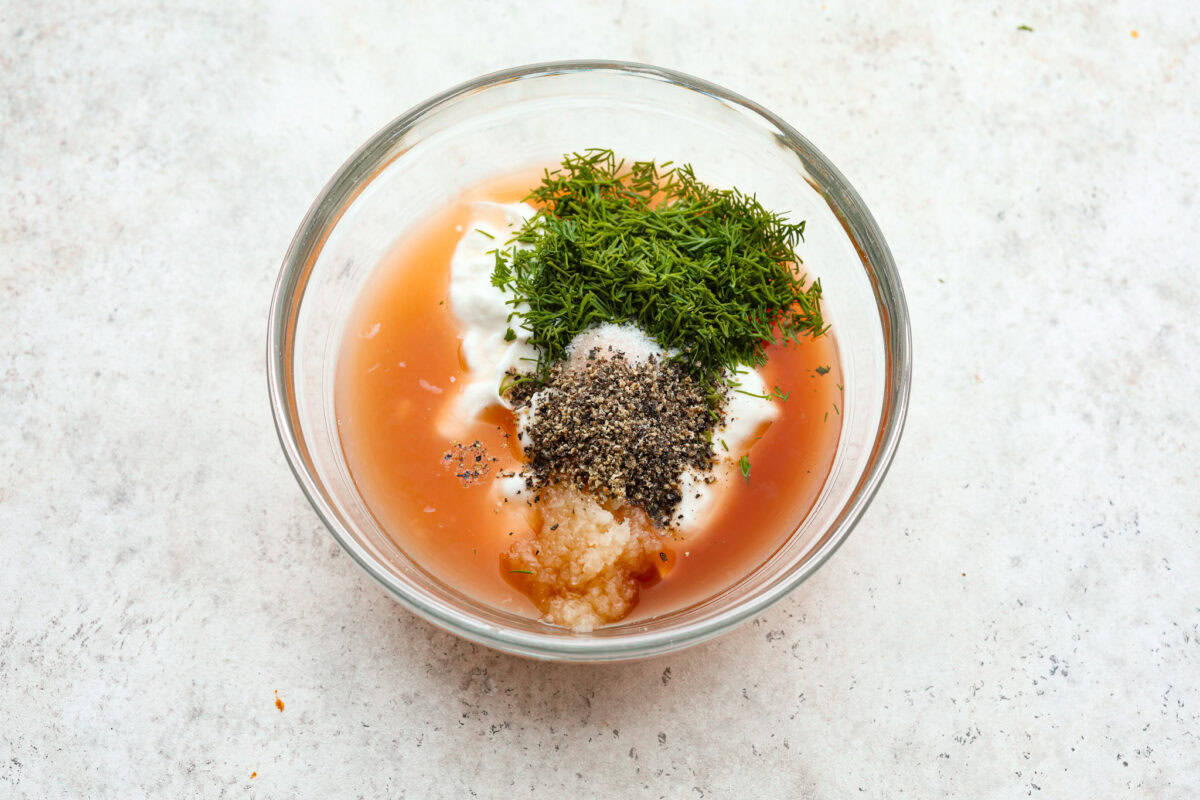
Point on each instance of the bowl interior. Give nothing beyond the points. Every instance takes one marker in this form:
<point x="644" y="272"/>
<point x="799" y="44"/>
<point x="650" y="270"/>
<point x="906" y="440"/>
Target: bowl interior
<point x="530" y="117"/>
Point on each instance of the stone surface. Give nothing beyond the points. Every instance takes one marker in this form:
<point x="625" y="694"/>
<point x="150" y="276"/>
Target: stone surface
<point x="1017" y="615"/>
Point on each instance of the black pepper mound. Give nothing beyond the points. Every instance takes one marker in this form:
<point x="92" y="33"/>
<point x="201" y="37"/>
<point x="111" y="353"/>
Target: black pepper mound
<point x="622" y="430"/>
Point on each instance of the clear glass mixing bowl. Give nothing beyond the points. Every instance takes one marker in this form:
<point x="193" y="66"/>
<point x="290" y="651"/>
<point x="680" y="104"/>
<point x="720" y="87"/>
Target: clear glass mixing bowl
<point x="532" y="115"/>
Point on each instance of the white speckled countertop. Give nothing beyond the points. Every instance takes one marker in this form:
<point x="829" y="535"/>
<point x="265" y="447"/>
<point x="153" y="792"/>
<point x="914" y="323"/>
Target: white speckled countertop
<point x="1017" y="615"/>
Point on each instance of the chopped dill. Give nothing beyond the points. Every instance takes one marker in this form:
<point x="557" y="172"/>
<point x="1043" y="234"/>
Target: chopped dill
<point x="780" y="394"/>
<point x="708" y="272"/>
<point x="510" y="335"/>
<point x="744" y="466"/>
<point x="522" y="571"/>
<point x="485" y="233"/>
<point x="519" y="381"/>
<point x="823" y="369"/>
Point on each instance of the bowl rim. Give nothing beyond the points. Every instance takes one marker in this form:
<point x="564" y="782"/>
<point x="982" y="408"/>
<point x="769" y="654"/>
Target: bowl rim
<point x="352" y="177"/>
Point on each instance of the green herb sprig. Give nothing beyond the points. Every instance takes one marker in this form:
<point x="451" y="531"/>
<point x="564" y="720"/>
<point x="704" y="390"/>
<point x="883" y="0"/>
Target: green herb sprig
<point x="708" y="272"/>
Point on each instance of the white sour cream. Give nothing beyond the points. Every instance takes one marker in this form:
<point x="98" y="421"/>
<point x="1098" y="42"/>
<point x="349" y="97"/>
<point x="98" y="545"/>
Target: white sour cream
<point x="744" y="421"/>
<point x="482" y="310"/>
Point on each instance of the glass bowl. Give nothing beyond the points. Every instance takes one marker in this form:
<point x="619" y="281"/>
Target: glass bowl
<point x="532" y="115"/>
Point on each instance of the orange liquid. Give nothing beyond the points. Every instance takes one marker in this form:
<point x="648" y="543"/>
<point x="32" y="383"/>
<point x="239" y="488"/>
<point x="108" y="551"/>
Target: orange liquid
<point x="400" y="367"/>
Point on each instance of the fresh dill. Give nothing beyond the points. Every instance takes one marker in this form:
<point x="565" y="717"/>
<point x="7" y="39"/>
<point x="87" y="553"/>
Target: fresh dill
<point x="823" y="369"/>
<point x="707" y="272"/>
<point x="744" y="466"/>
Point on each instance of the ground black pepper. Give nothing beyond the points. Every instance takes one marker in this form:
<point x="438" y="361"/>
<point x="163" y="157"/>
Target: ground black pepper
<point x="469" y="462"/>
<point x="623" y="430"/>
